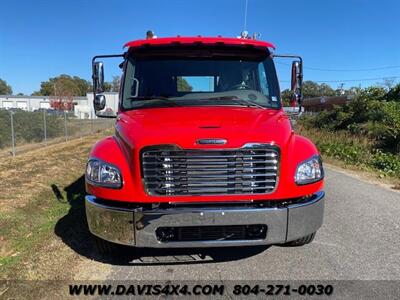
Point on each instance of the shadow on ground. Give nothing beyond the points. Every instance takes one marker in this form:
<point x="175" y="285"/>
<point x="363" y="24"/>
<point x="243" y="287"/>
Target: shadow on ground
<point x="74" y="232"/>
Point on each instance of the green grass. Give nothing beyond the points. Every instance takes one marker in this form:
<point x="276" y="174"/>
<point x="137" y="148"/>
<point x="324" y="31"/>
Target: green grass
<point x="28" y="227"/>
<point x="42" y="218"/>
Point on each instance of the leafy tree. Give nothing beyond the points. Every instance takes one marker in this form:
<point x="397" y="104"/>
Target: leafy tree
<point x="388" y="83"/>
<point x="115" y="84"/>
<point x="353" y="91"/>
<point x="62" y="89"/>
<point x="183" y="85"/>
<point x="5" y="89"/>
<point x="112" y="86"/>
<point x="312" y="89"/>
<point x="107" y="86"/>
<point x="394" y="94"/>
<point x="368" y="114"/>
<point x="64" y="85"/>
<point x="286" y="95"/>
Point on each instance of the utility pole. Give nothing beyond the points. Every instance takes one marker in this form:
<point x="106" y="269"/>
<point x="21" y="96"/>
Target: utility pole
<point x="341" y="90"/>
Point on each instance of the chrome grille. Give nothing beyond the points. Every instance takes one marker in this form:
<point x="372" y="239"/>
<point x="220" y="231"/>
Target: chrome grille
<point x="249" y="170"/>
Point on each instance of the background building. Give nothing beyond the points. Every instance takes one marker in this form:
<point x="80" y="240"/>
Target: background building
<point x="82" y="108"/>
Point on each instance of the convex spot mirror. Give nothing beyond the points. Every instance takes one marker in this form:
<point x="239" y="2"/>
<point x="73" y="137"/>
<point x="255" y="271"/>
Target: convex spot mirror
<point x="99" y="102"/>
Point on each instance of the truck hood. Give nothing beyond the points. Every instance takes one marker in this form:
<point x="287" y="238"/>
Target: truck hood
<point x="183" y="126"/>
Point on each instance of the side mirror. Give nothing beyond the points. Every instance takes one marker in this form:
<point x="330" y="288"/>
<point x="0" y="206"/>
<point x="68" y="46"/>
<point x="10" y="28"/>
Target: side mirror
<point x="297" y="81"/>
<point x="99" y="102"/>
<point x="98" y="77"/>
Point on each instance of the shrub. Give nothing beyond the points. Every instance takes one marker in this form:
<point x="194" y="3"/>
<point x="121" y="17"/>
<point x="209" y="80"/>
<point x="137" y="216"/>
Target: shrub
<point x="368" y="114"/>
<point x="354" y="150"/>
<point x="387" y="163"/>
<point x="341" y="132"/>
<point x="394" y="94"/>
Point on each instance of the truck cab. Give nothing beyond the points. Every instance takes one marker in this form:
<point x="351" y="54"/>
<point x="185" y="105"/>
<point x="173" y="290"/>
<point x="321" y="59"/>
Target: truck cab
<point x="203" y="154"/>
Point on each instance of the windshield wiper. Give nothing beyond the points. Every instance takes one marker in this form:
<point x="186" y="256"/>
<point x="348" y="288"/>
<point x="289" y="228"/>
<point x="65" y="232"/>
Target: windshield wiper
<point x="248" y="103"/>
<point x="157" y="98"/>
<point x="237" y="100"/>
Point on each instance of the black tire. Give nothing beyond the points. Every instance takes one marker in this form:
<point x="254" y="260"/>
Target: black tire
<point x="301" y="241"/>
<point x="104" y="247"/>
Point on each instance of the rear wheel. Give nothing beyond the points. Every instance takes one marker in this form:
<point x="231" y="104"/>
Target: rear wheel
<point x="301" y="241"/>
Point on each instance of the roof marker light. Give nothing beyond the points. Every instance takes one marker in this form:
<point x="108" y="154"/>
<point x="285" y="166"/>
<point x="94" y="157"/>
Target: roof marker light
<point x="150" y="35"/>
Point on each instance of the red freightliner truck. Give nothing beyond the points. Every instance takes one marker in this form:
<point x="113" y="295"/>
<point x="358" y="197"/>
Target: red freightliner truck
<point x="203" y="154"/>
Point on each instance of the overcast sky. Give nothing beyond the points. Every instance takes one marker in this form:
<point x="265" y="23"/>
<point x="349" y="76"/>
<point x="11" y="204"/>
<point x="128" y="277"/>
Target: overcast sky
<point x="41" y="39"/>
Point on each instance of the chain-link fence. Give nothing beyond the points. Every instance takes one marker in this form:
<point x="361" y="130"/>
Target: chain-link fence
<point x="22" y="131"/>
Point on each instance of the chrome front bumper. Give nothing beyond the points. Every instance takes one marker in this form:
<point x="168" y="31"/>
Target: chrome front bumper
<point x="137" y="227"/>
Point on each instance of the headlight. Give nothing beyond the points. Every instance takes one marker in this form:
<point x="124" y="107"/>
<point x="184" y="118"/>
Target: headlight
<point x="309" y="171"/>
<point x="103" y="174"/>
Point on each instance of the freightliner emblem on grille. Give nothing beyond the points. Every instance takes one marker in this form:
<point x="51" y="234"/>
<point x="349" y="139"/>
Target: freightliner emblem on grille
<point x="211" y="142"/>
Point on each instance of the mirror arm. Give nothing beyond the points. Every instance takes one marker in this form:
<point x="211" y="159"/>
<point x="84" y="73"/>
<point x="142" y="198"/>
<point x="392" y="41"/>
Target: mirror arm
<point x="107" y="56"/>
<point x="123" y="55"/>
<point x="288" y="56"/>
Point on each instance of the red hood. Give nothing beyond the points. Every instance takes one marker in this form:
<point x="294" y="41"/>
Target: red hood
<point x="182" y="126"/>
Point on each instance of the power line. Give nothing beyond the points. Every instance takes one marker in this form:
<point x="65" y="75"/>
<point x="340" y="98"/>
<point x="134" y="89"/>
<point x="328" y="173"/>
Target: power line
<point x="344" y="70"/>
<point x="351" y="80"/>
<point x="353" y="70"/>
<point x="362" y="79"/>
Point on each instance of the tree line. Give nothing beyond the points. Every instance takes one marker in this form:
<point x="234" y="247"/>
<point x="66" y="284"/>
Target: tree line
<point x="313" y="89"/>
<point x="63" y="86"/>
<point x="66" y="86"/>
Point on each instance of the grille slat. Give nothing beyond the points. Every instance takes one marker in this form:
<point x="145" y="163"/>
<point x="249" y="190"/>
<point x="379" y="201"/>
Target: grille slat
<point x="211" y="163"/>
<point x="237" y="169"/>
<point x="218" y="190"/>
<point x="215" y="156"/>
<point x="205" y="183"/>
<point x="216" y="176"/>
<point x="204" y="172"/>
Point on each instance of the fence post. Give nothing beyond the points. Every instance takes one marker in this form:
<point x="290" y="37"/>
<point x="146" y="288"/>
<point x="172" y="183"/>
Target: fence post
<point x="65" y="126"/>
<point x="91" y="122"/>
<point x="45" y="127"/>
<point x="12" y="133"/>
<point x="80" y="126"/>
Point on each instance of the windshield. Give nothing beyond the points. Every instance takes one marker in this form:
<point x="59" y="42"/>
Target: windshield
<point x="232" y="81"/>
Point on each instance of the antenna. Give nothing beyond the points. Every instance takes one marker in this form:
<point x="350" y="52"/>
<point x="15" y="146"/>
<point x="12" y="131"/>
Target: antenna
<point x="245" y="16"/>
